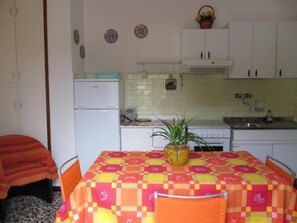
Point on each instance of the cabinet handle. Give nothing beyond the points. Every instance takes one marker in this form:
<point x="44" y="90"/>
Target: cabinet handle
<point x="16" y="11"/>
<point x="201" y="55"/>
<point x="13" y="75"/>
<point x="249" y="73"/>
<point x="256" y="73"/>
<point x="10" y="11"/>
<point x="280" y="73"/>
<point x="208" y="55"/>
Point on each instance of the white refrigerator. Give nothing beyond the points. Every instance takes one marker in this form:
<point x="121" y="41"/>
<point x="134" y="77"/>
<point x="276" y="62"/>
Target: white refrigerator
<point x="98" y="106"/>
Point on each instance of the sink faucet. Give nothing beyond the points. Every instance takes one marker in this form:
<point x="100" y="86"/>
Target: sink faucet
<point x="243" y="97"/>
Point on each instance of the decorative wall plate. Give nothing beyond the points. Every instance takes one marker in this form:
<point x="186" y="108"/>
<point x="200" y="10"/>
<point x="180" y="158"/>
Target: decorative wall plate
<point x="82" y="51"/>
<point x="140" y="31"/>
<point x="111" y="36"/>
<point x="76" y="36"/>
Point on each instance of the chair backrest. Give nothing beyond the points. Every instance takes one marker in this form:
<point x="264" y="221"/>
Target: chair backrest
<point x="277" y="165"/>
<point x="70" y="177"/>
<point x="190" y="209"/>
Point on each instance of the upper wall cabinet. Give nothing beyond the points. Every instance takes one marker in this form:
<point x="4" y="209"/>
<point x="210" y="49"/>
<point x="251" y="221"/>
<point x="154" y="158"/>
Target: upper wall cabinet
<point x="204" y="44"/>
<point x="252" y="49"/>
<point x="20" y="10"/>
<point x="286" y="50"/>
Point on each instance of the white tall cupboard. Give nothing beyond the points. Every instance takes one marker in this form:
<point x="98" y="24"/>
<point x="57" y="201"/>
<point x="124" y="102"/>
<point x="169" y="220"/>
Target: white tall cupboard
<point x="252" y="49"/>
<point x="22" y="73"/>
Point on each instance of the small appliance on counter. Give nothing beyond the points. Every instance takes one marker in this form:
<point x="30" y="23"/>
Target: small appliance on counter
<point x="131" y="114"/>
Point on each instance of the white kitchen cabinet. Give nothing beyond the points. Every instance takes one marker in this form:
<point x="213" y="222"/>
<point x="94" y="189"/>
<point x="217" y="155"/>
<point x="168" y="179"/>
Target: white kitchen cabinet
<point x="8" y="72"/>
<point x="32" y="112"/>
<point x="22" y="59"/>
<point x="252" y="49"/>
<point x="22" y="81"/>
<point x="20" y="10"/>
<point x="159" y="142"/>
<point x="136" y="138"/>
<point x="258" y="149"/>
<point x="9" y="118"/>
<point x="286" y="153"/>
<point x="204" y="44"/>
<point x="280" y="144"/>
<point x="23" y="111"/>
<point x="286" y="50"/>
<point x="30" y="67"/>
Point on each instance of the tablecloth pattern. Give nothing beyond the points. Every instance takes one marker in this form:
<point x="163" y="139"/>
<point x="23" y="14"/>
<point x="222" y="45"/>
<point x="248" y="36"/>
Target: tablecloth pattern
<point x="119" y="187"/>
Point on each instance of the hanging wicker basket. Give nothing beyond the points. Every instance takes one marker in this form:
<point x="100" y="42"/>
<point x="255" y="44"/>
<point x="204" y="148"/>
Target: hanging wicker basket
<point x="205" y="20"/>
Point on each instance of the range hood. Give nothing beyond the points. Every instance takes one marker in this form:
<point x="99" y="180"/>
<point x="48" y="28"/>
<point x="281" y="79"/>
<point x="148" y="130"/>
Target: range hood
<point x="206" y="66"/>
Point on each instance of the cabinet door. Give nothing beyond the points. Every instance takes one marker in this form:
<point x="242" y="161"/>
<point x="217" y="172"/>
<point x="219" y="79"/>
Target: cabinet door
<point x="6" y="10"/>
<point x="9" y="110"/>
<point x="264" y="50"/>
<point x="286" y="49"/>
<point x="217" y="44"/>
<point x="286" y="153"/>
<point x="28" y="10"/>
<point x="8" y="73"/>
<point x="258" y="149"/>
<point x="241" y="49"/>
<point x="33" y="113"/>
<point x="30" y="60"/>
<point x="136" y="139"/>
<point x="159" y="142"/>
<point x="192" y="44"/>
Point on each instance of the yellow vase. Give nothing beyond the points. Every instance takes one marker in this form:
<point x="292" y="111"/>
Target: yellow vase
<point x="182" y="156"/>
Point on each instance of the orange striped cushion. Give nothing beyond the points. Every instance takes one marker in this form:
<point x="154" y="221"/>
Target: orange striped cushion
<point x="23" y="160"/>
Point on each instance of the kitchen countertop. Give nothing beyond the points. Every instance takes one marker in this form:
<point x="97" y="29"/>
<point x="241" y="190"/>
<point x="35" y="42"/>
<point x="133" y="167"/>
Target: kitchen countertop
<point x="259" y="123"/>
<point x="193" y="124"/>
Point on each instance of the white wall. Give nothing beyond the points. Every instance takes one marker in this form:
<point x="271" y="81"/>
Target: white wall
<point x="164" y="19"/>
<point x="60" y="80"/>
<point x="77" y="15"/>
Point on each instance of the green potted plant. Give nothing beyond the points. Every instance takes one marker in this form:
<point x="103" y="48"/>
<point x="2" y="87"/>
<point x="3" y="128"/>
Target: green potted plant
<point x="176" y="132"/>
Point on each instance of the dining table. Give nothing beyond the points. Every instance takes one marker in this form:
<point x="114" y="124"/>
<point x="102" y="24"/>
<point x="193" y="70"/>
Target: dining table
<point x="119" y="187"/>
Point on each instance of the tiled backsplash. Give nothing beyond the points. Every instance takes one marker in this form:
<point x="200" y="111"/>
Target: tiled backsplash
<point x="209" y="96"/>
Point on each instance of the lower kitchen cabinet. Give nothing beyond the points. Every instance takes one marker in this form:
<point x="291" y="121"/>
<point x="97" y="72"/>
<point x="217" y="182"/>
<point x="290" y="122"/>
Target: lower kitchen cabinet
<point x="287" y="153"/>
<point x="159" y="142"/>
<point x="257" y="149"/>
<point x="136" y="138"/>
<point x="280" y="144"/>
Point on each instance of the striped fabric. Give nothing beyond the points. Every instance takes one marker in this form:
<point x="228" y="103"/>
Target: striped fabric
<point x="23" y="160"/>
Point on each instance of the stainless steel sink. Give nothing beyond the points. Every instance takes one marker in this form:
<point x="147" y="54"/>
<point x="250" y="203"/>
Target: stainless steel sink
<point x="246" y="125"/>
<point x="259" y="123"/>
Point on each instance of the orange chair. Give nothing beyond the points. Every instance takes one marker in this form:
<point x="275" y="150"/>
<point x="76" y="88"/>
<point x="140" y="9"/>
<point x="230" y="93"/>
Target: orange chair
<point x="272" y="163"/>
<point x="70" y="177"/>
<point x="190" y="209"/>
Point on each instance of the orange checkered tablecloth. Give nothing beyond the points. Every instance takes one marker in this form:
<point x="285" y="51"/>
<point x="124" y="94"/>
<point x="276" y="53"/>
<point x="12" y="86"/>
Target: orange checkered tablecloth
<point x="119" y="187"/>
